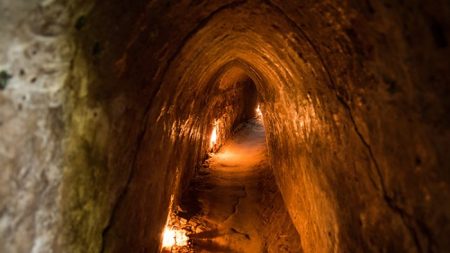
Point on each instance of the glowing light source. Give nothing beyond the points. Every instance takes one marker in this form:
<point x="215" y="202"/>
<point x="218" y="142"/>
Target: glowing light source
<point x="258" y="112"/>
<point x="173" y="237"/>
<point x="213" y="140"/>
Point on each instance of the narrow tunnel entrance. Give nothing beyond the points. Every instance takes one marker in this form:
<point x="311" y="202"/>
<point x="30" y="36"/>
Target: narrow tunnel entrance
<point x="232" y="203"/>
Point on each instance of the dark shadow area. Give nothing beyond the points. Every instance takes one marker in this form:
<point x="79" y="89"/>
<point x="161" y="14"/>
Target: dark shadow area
<point x="249" y="104"/>
<point x="211" y="246"/>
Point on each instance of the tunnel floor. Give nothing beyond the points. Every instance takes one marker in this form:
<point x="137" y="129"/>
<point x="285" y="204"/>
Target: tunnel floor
<point x="223" y="210"/>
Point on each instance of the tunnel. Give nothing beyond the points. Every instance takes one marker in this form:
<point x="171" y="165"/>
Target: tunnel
<point x="113" y="114"/>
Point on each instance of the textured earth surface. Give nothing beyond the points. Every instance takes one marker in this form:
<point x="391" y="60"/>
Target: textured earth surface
<point x="107" y="106"/>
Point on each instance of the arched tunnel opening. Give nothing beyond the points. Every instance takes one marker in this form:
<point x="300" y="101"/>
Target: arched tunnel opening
<point x="224" y="126"/>
<point x="232" y="202"/>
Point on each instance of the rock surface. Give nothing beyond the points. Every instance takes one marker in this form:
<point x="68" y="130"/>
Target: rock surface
<point x="106" y="109"/>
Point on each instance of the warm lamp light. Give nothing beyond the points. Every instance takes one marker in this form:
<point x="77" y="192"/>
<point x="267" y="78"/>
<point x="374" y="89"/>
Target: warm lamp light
<point x="213" y="140"/>
<point x="173" y="237"/>
<point x="258" y="112"/>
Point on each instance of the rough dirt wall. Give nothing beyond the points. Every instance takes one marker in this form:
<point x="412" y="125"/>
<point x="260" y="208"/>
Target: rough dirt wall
<point x="279" y="233"/>
<point x="355" y="102"/>
<point x="36" y="50"/>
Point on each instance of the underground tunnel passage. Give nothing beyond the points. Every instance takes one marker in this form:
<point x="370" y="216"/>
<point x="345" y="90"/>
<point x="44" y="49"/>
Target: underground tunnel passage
<point x="229" y="126"/>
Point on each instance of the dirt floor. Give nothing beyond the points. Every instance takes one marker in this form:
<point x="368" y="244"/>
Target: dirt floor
<point x="233" y="205"/>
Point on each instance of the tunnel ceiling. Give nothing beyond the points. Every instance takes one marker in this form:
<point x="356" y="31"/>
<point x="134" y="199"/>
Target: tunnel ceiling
<point x="354" y="98"/>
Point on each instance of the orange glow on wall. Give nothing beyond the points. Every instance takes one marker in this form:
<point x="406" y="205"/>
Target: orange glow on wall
<point x="213" y="139"/>
<point x="258" y="112"/>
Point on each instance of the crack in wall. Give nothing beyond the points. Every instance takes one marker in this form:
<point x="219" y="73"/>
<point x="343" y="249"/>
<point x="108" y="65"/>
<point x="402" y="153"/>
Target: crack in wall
<point x="122" y="194"/>
<point x="404" y="216"/>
